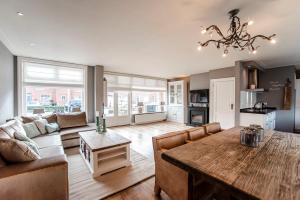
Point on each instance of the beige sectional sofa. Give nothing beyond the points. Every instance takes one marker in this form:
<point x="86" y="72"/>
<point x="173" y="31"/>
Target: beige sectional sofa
<point x="70" y="137"/>
<point x="47" y="177"/>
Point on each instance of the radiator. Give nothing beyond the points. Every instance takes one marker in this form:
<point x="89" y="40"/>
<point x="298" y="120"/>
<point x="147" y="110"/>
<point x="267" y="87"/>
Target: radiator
<point x="149" y="117"/>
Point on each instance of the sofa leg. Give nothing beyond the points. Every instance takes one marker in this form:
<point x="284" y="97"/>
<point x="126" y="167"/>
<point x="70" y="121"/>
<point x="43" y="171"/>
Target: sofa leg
<point x="157" y="189"/>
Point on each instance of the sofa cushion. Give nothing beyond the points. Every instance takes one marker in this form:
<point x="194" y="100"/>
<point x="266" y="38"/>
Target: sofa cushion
<point x="11" y="127"/>
<point x="3" y="134"/>
<point x="52" y="118"/>
<point x="31" y="130"/>
<point x="196" y="133"/>
<point x="52" y="151"/>
<point x="14" y="151"/>
<point x="47" y="141"/>
<point x="41" y="125"/>
<point x="70" y="133"/>
<point x="52" y="127"/>
<point x="71" y="120"/>
<point x="2" y="162"/>
<point x="29" y="119"/>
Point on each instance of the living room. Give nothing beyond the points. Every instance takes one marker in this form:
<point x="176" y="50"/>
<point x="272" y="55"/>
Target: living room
<point x="149" y="100"/>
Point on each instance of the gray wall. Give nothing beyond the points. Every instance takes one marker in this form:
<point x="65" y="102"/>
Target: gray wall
<point x="6" y="83"/>
<point x="90" y="94"/>
<point x="199" y="81"/>
<point x="222" y="73"/>
<point x="285" y="119"/>
<point x="202" y="80"/>
<point x="98" y="89"/>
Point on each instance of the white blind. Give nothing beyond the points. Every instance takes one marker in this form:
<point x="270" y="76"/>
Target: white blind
<point x="134" y="83"/>
<point x="52" y="74"/>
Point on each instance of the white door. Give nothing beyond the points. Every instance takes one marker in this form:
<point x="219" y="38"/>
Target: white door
<point x="117" y="111"/>
<point x="223" y="101"/>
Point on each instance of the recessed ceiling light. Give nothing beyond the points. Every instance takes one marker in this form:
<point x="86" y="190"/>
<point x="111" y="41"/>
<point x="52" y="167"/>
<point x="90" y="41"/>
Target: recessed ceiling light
<point x="32" y="44"/>
<point x="20" y="14"/>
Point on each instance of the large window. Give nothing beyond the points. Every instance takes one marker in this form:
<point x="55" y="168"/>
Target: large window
<point x="51" y="86"/>
<point x="150" y="101"/>
<point x="134" y="94"/>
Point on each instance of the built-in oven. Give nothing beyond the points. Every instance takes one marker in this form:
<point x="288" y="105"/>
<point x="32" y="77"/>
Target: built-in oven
<point x="199" y="96"/>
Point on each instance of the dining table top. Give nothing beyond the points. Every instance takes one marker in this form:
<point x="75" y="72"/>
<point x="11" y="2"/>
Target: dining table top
<point x="270" y="171"/>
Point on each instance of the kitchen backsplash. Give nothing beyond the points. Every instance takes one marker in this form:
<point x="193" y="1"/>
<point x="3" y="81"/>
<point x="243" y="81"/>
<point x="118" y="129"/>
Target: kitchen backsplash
<point x="248" y="99"/>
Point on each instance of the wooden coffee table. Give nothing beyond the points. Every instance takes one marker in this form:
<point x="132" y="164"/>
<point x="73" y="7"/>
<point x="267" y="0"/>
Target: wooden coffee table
<point x="105" y="152"/>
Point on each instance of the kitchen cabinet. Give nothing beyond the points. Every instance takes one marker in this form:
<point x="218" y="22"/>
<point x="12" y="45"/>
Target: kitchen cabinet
<point x="177" y="101"/>
<point x="267" y="121"/>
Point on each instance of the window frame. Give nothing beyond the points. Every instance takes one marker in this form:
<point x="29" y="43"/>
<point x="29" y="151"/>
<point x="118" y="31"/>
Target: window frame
<point x="21" y="98"/>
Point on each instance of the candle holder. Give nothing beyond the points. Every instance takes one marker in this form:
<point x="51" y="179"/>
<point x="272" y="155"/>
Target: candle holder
<point x="252" y="135"/>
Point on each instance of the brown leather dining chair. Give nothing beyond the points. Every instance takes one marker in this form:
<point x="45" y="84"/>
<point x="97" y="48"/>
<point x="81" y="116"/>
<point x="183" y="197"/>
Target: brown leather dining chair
<point x="169" y="178"/>
<point x="196" y="133"/>
<point x="213" y="128"/>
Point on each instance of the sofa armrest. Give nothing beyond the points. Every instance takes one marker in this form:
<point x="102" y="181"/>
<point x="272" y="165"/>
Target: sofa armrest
<point x="45" y="179"/>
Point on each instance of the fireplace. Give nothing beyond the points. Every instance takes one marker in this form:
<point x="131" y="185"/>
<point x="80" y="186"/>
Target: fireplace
<point x="197" y="116"/>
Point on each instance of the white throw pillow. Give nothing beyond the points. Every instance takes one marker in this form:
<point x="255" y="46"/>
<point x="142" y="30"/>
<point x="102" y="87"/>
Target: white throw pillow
<point x="31" y="130"/>
<point x="41" y="125"/>
<point x="32" y="144"/>
<point x="11" y="127"/>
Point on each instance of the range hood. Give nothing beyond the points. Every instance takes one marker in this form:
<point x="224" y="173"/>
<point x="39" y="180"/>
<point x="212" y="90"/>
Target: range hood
<point x="253" y="80"/>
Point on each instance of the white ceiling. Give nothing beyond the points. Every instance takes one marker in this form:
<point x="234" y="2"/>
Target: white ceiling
<point x="147" y="37"/>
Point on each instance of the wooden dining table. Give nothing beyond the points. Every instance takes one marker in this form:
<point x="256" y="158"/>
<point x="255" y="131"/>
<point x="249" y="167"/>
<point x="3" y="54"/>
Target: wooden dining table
<point x="219" y="167"/>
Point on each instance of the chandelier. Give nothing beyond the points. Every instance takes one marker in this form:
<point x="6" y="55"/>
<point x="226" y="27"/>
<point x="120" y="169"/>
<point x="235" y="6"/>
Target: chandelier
<point x="238" y="37"/>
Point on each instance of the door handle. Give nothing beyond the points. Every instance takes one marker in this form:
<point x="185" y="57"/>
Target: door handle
<point x="231" y="106"/>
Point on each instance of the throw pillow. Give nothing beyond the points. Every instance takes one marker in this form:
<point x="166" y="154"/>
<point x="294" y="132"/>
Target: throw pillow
<point x="11" y="127"/>
<point x="41" y="125"/>
<point x="52" y="118"/>
<point x="71" y="120"/>
<point x="2" y="162"/>
<point x="29" y="119"/>
<point x="16" y="151"/>
<point x="52" y="127"/>
<point x="31" y="130"/>
<point x="28" y="141"/>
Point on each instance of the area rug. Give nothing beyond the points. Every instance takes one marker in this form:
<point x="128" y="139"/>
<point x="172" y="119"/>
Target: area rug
<point x="83" y="186"/>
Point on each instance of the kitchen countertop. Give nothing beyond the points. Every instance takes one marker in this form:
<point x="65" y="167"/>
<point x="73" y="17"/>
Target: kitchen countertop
<point x="258" y="111"/>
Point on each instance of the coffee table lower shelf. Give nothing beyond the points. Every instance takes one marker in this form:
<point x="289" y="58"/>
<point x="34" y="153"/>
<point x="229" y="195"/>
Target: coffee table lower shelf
<point x="102" y="161"/>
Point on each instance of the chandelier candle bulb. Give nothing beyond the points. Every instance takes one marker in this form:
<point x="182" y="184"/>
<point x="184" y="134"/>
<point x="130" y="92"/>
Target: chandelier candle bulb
<point x="250" y="22"/>
<point x="199" y="47"/>
<point x="203" y="31"/>
<point x="273" y="41"/>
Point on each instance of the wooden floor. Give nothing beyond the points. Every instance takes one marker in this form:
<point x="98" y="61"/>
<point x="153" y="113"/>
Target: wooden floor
<point x="141" y="137"/>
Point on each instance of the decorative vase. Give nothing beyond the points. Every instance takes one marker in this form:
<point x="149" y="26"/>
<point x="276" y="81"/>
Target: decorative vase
<point x="98" y="126"/>
<point x="103" y="125"/>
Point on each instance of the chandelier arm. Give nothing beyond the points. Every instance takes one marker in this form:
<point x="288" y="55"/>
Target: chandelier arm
<point x="214" y="27"/>
<point x="239" y="23"/>
<point x="262" y="36"/>
<point x="242" y="29"/>
<point x="213" y="41"/>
